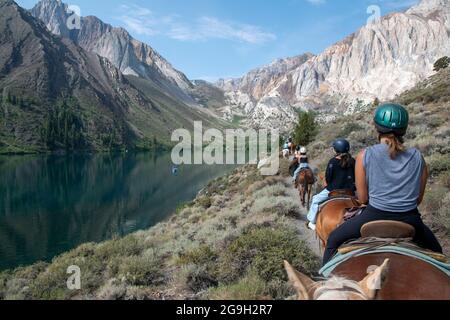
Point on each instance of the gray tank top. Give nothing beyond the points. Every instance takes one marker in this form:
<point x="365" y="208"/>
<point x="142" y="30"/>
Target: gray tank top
<point x="394" y="185"/>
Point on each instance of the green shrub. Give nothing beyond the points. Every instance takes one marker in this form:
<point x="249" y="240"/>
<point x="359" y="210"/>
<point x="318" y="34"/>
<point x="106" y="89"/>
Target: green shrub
<point x="433" y="199"/>
<point x="439" y="163"/>
<point x="204" y="202"/>
<point x="128" y="246"/>
<point x="200" y="256"/>
<point x="263" y="250"/>
<point x="349" y="128"/>
<point x="200" y="279"/>
<point x="141" y="271"/>
<point x="444" y="179"/>
<point x="251" y="287"/>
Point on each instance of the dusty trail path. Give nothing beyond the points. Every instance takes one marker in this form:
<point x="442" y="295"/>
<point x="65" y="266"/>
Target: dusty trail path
<point x="308" y="235"/>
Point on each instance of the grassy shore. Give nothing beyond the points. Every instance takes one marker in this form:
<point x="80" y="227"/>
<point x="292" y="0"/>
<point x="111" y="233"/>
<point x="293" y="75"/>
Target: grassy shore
<point x="227" y="244"/>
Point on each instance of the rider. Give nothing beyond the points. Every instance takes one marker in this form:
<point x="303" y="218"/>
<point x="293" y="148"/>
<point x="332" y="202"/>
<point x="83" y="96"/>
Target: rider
<point x="302" y="159"/>
<point x="391" y="179"/>
<point x="340" y="175"/>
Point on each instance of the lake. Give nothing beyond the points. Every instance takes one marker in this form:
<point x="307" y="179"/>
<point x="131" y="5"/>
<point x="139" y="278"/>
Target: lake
<point x="51" y="204"/>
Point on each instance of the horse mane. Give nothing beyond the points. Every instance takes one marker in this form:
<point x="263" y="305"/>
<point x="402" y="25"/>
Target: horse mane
<point x="337" y="288"/>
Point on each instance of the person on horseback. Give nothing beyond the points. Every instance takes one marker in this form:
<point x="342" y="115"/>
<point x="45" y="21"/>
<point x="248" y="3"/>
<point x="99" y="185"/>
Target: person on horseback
<point x="391" y="179"/>
<point x="340" y="175"/>
<point x="303" y="164"/>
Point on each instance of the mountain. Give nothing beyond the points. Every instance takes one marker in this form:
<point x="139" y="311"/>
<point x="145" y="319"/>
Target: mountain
<point x="130" y="56"/>
<point x="380" y="60"/>
<point x="251" y="94"/>
<point x="55" y="95"/>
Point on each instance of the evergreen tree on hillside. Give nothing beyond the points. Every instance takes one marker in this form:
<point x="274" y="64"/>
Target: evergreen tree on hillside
<point x="306" y="128"/>
<point x="442" y="63"/>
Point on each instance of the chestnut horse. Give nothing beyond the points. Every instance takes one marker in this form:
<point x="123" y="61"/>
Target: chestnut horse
<point x="398" y="277"/>
<point x="305" y="182"/>
<point x="292" y="147"/>
<point x="331" y="216"/>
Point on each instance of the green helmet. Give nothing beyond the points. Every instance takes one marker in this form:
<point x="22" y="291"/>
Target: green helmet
<point x="392" y="118"/>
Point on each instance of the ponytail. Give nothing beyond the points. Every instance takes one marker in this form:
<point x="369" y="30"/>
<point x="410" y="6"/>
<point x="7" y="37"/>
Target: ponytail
<point x="346" y="160"/>
<point x="395" y="144"/>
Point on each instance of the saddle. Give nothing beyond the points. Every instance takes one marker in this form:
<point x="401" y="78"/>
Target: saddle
<point x="339" y="195"/>
<point x="379" y="234"/>
<point x="388" y="230"/>
<point x="342" y="193"/>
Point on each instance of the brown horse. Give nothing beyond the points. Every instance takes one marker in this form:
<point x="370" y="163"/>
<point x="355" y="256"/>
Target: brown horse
<point x="292" y="148"/>
<point x="331" y="216"/>
<point x="398" y="278"/>
<point x="305" y="182"/>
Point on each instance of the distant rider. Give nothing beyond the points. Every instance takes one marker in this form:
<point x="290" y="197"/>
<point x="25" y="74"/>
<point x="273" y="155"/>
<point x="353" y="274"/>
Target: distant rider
<point x="302" y="158"/>
<point x="340" y="175"/>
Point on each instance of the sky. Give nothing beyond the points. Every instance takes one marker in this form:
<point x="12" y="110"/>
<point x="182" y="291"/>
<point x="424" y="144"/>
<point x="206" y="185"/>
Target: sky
<point x="212" y="39"/>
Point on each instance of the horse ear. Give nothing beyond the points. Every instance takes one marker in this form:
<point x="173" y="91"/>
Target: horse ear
<point x="376" y="279"/>
<point x="300" y="282"/>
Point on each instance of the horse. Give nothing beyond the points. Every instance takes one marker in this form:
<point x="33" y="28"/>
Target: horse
<point x="285" y="153"/>
<point x="332" y="214"/>
<point x="385" y="276"/>
<point x="292" y="148"/>
<point x="305" y="182"/>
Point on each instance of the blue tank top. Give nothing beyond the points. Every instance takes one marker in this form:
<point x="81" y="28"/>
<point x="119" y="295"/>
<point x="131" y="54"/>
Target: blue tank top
<point x="394" y="185"/>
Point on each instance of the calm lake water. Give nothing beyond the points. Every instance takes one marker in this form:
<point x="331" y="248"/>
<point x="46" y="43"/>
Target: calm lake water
<point x="51" y="204"/>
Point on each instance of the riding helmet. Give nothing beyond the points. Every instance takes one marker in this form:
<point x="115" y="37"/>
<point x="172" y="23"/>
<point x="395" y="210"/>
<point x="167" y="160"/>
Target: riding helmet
<point x="392" y="118"/>
<point x="303" y="150"/>
<point x="341" y="146"/>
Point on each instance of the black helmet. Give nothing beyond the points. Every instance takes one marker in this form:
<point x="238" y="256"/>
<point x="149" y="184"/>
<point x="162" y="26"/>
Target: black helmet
<point x="341" y="146"/>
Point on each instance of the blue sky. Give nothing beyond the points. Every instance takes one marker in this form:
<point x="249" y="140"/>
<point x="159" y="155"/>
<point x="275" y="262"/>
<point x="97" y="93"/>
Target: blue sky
<point x="209" y="39"/>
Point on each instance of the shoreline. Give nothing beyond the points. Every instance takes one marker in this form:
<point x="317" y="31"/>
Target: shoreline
<point x="192" y="255"/>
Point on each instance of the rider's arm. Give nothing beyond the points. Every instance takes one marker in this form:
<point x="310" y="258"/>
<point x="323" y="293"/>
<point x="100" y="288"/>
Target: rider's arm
<point x="423" y="183"/>
<point x="360" y="177"/>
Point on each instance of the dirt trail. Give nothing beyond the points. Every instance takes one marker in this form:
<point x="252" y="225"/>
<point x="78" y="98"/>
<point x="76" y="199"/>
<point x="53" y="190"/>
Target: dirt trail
<point x="308" y="235"/>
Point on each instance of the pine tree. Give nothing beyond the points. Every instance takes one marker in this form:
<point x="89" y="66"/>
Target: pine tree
<point x="442" y="63"/>
<point x="306" y="128"/>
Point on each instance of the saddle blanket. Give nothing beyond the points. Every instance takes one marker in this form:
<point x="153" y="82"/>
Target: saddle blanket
<point x="328" y="269"/>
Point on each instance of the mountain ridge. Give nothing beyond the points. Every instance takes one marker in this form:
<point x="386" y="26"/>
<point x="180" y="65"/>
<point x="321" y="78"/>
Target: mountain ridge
<point x="57" y="96"/>
<point x="129" y="55"/>
<point x="380" y="60"/>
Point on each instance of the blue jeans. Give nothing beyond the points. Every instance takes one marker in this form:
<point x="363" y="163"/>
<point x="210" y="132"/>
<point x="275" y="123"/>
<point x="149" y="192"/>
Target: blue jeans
<point x="299" y="169"/>
<point x="316" y="200"/>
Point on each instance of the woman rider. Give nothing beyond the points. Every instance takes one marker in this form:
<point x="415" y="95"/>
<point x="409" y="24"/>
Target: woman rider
<point x="391" y="179"/>
<point x="302" y="158"/>
<point x="340" y="175"/>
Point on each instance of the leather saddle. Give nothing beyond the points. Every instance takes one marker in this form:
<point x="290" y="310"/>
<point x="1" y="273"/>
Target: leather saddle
<point x="342" y="193"/>
<point x="387" y="230"/>
<point x="339" y="195"/>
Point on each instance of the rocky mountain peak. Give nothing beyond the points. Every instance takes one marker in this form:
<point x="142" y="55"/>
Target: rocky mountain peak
<point x="380" y="61"/>
<point x="131" y="56"/>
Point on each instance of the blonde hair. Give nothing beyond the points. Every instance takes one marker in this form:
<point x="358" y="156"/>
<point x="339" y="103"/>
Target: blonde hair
<point x="395" y="143"/>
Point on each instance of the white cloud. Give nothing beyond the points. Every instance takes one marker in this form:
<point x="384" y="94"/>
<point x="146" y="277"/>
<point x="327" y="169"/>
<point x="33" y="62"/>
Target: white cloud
<point x="143" y="21"/>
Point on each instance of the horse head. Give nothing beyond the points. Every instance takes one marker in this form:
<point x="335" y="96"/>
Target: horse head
<point x="337" y="288"/>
